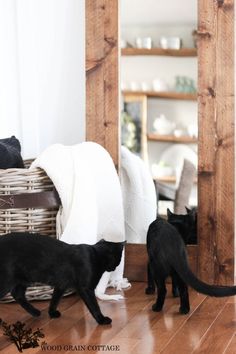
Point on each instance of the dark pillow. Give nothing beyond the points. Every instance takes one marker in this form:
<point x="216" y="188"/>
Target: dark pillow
<point x="10" y="153"/>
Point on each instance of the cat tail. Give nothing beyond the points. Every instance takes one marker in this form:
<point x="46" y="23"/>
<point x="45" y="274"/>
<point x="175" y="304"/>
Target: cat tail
<point x="182" y="268"/>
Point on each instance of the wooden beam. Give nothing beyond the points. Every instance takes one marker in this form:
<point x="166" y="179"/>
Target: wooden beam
<point x="216" y="140"/>
<point x="102" y="89"/>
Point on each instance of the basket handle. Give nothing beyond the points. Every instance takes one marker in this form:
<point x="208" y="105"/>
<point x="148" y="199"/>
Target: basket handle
<point x="41" y="200"/>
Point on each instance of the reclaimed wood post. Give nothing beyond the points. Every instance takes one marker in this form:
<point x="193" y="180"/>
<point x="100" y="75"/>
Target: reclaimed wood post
<point x="102" y="80"/>
<point x="216" y="140"/>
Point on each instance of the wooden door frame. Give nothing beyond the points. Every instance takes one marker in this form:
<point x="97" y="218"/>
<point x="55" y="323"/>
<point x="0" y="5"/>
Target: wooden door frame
<point x="216" y="119"/>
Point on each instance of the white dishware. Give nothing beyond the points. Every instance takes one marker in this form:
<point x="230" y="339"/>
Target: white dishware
<point x="178" y="133"/>
<point x="138" y="42"/>
<point x="144" y="86"/>
<point x="134" y="86"/>
<point x="170" y="42"/>
<point x="147" y="43"/>
<point x="163" y="126"/>
<point x="193" y="130"/>
<point x="159" y="85"/>
<point x="123" y="43"/>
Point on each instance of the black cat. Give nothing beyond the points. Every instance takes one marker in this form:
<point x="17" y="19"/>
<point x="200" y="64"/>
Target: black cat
<point x="167" y="256"/>
<point x="186" y="224"/>
<point x="10" y="153"/>
<point x="29" y="258"/>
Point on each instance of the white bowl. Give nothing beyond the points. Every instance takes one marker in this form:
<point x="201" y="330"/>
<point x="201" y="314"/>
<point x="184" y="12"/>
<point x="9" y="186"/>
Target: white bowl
<point x="170" y="42"/>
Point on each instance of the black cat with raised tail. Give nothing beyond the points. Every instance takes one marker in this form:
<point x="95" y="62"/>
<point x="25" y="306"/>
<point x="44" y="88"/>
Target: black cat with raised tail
<point x="29" y="258"/>
<point x="167" y="256"/>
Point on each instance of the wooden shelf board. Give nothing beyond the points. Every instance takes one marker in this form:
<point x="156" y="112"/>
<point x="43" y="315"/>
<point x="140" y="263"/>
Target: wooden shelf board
<point x="169" y="179"/>
<point x="167" y="95"/>
<point x="183" y="52"/>
<point x="171" y="138"/>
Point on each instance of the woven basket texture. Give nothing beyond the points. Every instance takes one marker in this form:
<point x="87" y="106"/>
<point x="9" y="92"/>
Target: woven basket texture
<point x="43" y="221"/>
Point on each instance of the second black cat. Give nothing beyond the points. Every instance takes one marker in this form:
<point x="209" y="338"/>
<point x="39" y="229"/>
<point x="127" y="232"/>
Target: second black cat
<point x="167" y="256"/>
<point x="29" y="258"/>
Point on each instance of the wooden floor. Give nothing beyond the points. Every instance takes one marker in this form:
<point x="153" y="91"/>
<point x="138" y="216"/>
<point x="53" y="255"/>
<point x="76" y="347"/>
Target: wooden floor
<point x="209" y="328"/>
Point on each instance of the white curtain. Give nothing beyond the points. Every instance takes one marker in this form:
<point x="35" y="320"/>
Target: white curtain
<point x="42" y="72"/>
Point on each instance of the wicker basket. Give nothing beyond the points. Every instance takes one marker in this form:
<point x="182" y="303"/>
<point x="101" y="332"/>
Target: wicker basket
<point x="28" y="202"/>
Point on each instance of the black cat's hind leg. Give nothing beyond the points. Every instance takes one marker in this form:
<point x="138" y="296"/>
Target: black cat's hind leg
<point x="88" y="296"/>
<point x="18" y="293"/>
<point x="56" y="297"/>
<point x="151" y="284"/>
<point x="175" y="289"/>
<point x="161" y="294"/>
<point x="184" y="297"/>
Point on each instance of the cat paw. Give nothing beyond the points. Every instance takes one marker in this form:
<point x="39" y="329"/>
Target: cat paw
<point x="105" y="321"/>
<point x="35" y="313"/>
<point x="156" y="308"/>
<point x="149" y="290"/>
<point x="184" y="310"/>
<point x="54" y="314"/>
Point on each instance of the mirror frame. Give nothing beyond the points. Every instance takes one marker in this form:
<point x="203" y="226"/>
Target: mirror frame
<point x="216" y="186"/>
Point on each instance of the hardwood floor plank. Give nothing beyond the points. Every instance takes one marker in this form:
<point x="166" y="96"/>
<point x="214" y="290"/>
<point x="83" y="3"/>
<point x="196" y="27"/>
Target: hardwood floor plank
<point x="86" y="331"/>
<point x="165" y="325"/>
<point x="230" y="349"/>
<point x="44" y="321"/>
<point x="135" y="328"/>
<point x="220" y="333"/>
<point x="189" y="335"/>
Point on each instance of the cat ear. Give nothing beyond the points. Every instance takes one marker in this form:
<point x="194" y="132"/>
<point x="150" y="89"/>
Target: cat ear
<point x="169" y="213"/>
<point x="101" y="241"/>
<point x="188" y="210"/>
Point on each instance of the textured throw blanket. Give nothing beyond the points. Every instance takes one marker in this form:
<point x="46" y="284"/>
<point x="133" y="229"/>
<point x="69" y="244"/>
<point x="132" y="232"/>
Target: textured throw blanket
<point x="139" y="197"/>
<point x="89" y="188"/>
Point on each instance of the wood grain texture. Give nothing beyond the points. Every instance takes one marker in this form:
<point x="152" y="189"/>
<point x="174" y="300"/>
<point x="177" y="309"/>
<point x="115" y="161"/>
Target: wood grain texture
<point x="102" y="94"/>
<point x="208" y="328"/>
<point x="216" y="141"/>
<point x="171" y="138"/>
<point x="136" y="260"/>
<point x="172" y="95"/>
<point x="183" y="52"/>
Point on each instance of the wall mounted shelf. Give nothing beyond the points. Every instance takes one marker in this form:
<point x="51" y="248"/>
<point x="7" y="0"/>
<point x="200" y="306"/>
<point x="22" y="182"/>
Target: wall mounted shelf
<point x="171" y="138"/>
<point x="165" y="95"/>
<point x="183" y="52"/>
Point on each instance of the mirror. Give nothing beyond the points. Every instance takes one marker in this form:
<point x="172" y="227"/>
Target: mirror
<point x="159" y="94"/>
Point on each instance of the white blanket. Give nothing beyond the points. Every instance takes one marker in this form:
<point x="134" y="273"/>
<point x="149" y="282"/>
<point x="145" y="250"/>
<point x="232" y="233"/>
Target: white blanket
<point x="139" y="196"/>
<point x="89" y="188"/>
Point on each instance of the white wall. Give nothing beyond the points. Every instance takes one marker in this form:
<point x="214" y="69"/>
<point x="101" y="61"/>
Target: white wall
<point x="157" y="11"/>
<point x="155" y="19"/>
<point x="45" y="60"/>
